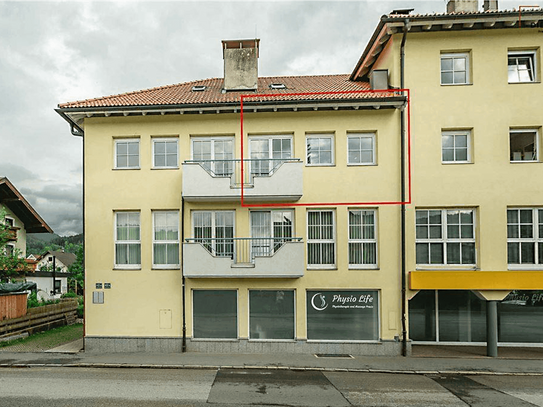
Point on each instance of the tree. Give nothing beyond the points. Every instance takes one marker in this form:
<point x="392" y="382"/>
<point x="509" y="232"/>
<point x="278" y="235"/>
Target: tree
<point x="12" y="263"/>
<point x="77" y="270"/>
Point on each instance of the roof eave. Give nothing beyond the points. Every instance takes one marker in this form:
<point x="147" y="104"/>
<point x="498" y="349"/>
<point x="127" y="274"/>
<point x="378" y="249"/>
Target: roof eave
<point x="24" y="210"/>
<point x="389" y="26"/>
<point x="75" y="116"/>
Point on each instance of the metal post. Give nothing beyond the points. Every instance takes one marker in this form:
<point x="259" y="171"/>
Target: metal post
<point x="492" y="328"/>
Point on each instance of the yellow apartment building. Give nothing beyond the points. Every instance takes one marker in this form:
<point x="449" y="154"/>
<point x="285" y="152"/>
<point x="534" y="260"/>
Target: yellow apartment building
<point x="355" y="221"/>
<point x="474" y="227"/>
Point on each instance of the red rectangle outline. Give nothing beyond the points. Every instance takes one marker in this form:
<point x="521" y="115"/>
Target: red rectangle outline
<point x="247" y="96"/>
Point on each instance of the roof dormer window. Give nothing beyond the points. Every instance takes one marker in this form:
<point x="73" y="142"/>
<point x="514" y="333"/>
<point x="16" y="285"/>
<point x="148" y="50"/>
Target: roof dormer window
<point x="199" y="88"/>
<point x="277" y="86"/>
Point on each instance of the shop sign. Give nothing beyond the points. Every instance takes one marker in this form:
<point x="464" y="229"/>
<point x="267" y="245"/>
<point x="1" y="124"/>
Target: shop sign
<point x="339" y="300"/>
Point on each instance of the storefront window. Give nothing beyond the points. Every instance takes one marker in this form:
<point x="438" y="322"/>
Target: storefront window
<point x="520" y="317"/>
<point x="271" y="314"/>
<point x="422" y="316"/>
<point x="342" y="315"/>
<point x="462" y="317"/>
<point x="215" y="314"/>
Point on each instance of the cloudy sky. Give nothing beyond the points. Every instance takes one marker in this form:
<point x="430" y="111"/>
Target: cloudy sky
<point x="55" y="52"/>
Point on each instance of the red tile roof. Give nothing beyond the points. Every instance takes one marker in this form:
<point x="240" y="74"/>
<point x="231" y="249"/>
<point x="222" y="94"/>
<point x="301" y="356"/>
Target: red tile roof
<point x="182" y="94"/>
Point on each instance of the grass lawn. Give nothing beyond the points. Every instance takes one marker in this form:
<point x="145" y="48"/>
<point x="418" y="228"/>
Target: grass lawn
<point x="44" y="340"/>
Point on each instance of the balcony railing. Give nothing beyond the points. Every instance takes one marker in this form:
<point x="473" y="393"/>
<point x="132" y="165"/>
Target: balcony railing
<point x="243" y="250"/>
<point x="12" y="234"/>
<point x="252" y="168"/>
<point x="270" y="179"/>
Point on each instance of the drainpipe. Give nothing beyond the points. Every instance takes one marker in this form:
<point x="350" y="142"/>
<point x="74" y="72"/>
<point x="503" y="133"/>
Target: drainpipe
<point x="79" y="133"/>
<point x="402" y="190"/>
<point x="184" y="343"/>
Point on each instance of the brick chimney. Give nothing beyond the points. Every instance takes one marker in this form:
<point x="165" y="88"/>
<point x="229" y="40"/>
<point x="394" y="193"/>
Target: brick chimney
<point x="240" y="64"/>
<point x="459" y="6"/>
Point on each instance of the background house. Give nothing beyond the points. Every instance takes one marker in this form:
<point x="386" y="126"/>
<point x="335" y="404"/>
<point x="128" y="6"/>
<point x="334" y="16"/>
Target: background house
<point x="20" y="215"/>
<point x="43" y="274"/>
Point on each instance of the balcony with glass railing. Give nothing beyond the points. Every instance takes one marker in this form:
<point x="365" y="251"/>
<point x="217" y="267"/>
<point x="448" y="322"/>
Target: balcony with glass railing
<point x="263" y="180"/>
<point x="236" y="257"/>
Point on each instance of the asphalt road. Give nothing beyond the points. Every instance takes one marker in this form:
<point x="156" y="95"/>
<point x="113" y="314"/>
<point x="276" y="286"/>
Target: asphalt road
<point x="95" y="387"/>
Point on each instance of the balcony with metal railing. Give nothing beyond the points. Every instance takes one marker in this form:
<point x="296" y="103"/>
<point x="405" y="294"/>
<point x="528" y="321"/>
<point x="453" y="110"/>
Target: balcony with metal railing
<point x="243" y="257"/>
<point x="278" y="180"/>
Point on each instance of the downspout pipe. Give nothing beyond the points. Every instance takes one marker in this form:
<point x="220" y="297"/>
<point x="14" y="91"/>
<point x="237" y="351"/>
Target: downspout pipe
<point x="76" y="132"/>
<point x="184" y="342"/>
<point x="402" y="192"/>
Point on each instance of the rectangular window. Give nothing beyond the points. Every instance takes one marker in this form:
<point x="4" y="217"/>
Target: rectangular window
<point x="445" y="236"/>
<point x="166" y="239"/>
<point x="215" y="230"/>
<point x="271" y="314"/>
<point x="9" y="249"/>
<point x="268" y="152"/>
<point x="525" y="236"/>
<point x="524" y="145"/>
<point x="455" y="147"/>
<point x="320" y="149"/>
<point x="521" y="66"/>
<point x="269" y="230"/>
<point x="343" y="315"/>
<point x="321" y="245"/>
<point x="362" y="239"/>
<point x="127" y="240"/>
<point x="215" y="314"/>
<point x="455" y="69"/>
<point x="165" y="153"/>
<point x="127" y="153"/>
<point x="216" y="154"/>
<point x="361" y="149"/>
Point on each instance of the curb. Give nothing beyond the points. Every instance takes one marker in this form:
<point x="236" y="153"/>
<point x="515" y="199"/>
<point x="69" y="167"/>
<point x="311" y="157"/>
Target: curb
<point x="290" y="368"/>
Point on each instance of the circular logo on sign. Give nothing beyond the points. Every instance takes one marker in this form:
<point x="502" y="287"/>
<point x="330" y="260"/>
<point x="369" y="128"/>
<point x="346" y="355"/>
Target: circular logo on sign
<point x="322" y="306"/>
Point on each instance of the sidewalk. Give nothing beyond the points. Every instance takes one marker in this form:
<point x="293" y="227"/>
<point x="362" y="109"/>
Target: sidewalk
<point x="413" y="365"/>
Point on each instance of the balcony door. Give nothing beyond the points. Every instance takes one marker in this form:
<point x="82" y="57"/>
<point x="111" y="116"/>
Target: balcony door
<point x="216" y="154"/>
<point x="266" y="153"/>
<point x="215" y="230"/>
<point x="270" y="230"/>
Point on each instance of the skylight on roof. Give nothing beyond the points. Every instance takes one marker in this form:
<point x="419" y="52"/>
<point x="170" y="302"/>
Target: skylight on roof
<point x="277" y="86"/>
<point x="199" y="88"/>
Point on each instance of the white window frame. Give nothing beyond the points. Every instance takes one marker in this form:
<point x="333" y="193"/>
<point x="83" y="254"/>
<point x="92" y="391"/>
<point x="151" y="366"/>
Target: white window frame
<point x="455" y="55"/>
<point x="275" y="242"/>
<point x="166" y="140"/>
<point x="536" y="239"/>
<point x="372" y="137"/>
<point x="536" y="141"/>
<point x="532" y="55"/>
<point x="126" y="242"/>
<point x="213" y="229"/>
<point x="115" y="155"/>
<point x="9" y="249"/>
<point x="212" y="140"/>
<point x="267" y="168"/>
<point x="9" y="221"/>
<point x="332" y="152"/>
<point x="444" y="240"/>
<point x="454" y="134"/>
<point x="363" y="240"/>
<point x="322" y="241"/>
<point x="165" y="241"/>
